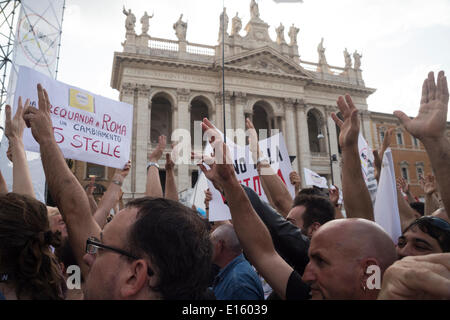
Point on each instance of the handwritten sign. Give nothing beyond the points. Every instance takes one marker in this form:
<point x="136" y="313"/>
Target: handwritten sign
<point x="274" y="149"/>
<point x="87" y="127"/>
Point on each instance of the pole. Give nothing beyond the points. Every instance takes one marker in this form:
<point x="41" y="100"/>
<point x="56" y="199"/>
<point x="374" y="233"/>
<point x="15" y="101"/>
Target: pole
<point x="223" y="73"/>
<point x="330" y="155"/>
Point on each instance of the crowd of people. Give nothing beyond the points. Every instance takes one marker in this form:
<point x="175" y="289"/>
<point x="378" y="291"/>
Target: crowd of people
<point x="154" y="247"/>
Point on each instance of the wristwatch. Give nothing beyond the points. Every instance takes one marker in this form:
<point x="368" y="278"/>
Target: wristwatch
<point x="149" y="164"/>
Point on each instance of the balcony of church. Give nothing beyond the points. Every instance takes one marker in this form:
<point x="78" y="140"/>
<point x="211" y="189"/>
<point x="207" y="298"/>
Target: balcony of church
<point x="320" y="159"/>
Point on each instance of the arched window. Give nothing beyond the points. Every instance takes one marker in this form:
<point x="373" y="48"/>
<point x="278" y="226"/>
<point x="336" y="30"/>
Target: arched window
<point x="199" y="110"/>
<point x="161" y="118"/>
<point x="316" y="132"/>
<point x="261" y="119"/>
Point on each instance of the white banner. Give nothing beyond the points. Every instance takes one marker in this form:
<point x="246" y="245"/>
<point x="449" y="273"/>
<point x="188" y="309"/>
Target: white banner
<point x="87" y="127"/>
<point x="386" y="206"/>
<point x="274" y="148"/>
<point x="367" y="167"/>
<point x="313" y="179"/>
<point x="36" y="45"/>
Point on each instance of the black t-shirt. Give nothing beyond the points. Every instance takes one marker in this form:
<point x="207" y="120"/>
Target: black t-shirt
<point x="297" y="289"/>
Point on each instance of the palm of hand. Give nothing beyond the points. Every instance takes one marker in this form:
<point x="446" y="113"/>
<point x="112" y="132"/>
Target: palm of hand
<point x="349" y="134"/>
<point x="430" y="122"/>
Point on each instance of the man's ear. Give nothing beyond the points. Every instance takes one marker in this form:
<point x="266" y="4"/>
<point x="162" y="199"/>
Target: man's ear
<point x="313" y="228"/>
<point x="370" y="275"/>
<point x="136" y="279"/>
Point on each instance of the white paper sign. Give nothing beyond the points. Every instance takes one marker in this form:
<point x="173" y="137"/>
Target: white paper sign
<point x="313" y="179"/>
<point x="367" y="167"/>
<point x="87" y="127"/>
<point x="274" y="148"/>
<point x="386" y="212"/>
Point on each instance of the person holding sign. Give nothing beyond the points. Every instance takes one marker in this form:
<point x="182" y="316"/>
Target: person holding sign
<point x="153" y="249"/>
<point x="332" y="245"/>
<point x="273" y="186"/>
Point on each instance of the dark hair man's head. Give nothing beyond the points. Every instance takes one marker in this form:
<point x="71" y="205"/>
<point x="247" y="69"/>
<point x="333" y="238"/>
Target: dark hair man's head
<point x="309" y="212"/>
<point x="424" y="236"/>
<point x="164" y="253"/>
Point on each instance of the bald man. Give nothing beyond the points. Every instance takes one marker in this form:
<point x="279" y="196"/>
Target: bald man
<point x="237" y="280"/>
<point x="343" y="255"/>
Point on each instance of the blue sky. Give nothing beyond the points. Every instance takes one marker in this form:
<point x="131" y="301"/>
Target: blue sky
<point x="400" y="40"/>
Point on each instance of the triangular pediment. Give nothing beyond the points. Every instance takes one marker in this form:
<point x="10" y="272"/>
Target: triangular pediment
<point x="266" y="60"/>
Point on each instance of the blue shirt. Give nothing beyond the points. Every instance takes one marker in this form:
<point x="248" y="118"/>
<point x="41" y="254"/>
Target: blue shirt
<point x="238" y="281"/>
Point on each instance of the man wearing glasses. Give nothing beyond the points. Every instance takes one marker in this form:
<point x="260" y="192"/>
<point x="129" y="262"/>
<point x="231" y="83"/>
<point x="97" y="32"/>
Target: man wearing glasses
<point x="153" y="249"/>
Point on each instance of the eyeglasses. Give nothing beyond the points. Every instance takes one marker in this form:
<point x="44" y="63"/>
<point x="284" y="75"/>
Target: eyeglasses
<point x="92" y="246"/>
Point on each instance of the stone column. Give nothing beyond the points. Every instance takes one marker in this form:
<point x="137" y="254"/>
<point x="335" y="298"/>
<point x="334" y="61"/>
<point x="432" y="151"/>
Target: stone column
<point x="142" y="139"/>
<point x="240" y="100"/>
<point x="184" y="122"/>
<point x="366" y="127"/>
<point x="127" y="95"/>
<point x="219" y="111"/>
<point x="334" y="148"/>
<point x="290" y="136"/>
<point x="303" y="135"/>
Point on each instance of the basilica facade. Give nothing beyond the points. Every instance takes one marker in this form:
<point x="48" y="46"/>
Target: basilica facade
<point x="172" y="84"/>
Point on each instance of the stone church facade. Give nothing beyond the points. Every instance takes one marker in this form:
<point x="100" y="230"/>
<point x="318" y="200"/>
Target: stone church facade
<point x="172" y="84"/>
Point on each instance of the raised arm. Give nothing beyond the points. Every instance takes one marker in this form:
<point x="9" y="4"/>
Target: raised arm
<point x="90" y="194"/>
<point x="153" y="188"/>
<point x="64" y="188"/>
<point x="407" y="214"/>
<point x="14" y="131"/>
<point x="432" y="199"/>
<point x="171" y="188"/>
<point x="357" y="201"/>
<point x="272" y="184"/>
<point x="3" y="186"/>
<point x="111" y="195"/>
<point x="429" y="127"/>
<point x="253" y="235"/>
<point x="295" y="179"/>
<point x="404" y="187"/>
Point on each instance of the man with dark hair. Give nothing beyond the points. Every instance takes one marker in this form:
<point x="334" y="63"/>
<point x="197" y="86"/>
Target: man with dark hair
<point x="289" y="237"/>
<point x="309" y="212"/>
<point x="418" y="207"/>
<point x="424" y="236"/>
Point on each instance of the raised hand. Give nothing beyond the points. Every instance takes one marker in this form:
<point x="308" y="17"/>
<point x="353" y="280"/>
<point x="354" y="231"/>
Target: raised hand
<point x="39" y="120"/>
<point x="157" y="153"/>
<point x="169" y="163"/>
<point x="14" y="127"/>
<point x="208" y="197"/>
<point x="403" y="185"/>
<point x="429" y="185"/>
<point x="350" y="126"/>
<point x="295" y="179"/>
<point x="430" y="123"/>
<point x="221" y="170"/>
<point x="334" y="195"/>
<point x="125" y="171"/>
<point x="253" y="140"/>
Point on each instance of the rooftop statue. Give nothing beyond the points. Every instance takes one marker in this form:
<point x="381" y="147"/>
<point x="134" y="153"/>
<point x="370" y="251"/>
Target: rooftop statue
<point x="130" y="20"/>
<point x="321" y="51"/>
<point x="348" y="59"/>
<point x="180" y="28"/>
<point x="280" y="34"/>
<point x="357" y="58"/>
<point x="254" y="10"/>
<point x="224" y="21"/>
<point x="293" y="32"/>
<point x="236" y="25"/>
<point x="144" y="21"/>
